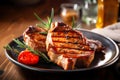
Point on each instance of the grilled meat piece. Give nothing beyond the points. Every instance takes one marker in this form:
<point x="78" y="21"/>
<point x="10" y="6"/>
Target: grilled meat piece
<point x="69" y="48"/>
<point x="95" y="44"/>
<point x="34" y="38"/>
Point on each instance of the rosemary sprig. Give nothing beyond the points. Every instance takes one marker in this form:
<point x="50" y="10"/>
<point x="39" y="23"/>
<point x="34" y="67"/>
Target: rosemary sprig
<point x="8" y="47"/>
<point x="23" y="45"/>
<point x="43" y="23"/>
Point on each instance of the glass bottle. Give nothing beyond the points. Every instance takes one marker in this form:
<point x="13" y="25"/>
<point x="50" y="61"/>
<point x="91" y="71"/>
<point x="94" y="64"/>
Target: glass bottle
<point x="107" y="12"/>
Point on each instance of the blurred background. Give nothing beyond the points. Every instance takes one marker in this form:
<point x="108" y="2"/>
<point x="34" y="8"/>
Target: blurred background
<point x="19" y="7"/>
<point x="23" y="10"/>
<point x="17" y="15"/>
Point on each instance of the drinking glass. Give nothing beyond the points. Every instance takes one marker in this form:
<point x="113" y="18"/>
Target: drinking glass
<point x="70" y="13"/>
<point x="89" y="12"/>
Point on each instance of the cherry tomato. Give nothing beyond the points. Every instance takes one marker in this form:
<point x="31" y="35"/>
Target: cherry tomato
<point x="26" y="57"/>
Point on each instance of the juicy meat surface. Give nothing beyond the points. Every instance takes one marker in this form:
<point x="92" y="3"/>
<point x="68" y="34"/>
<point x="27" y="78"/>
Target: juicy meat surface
<point x="35" y="39"/>
<point x="68" y="48"/>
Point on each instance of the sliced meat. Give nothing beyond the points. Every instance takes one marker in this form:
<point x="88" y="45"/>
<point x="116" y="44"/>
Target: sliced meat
<point x="68" y="48"/>
<point x="34" y="38"/>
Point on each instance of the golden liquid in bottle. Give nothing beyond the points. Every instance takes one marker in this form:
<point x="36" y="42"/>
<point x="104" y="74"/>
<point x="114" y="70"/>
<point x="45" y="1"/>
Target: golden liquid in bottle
<point x="107" y="12"/>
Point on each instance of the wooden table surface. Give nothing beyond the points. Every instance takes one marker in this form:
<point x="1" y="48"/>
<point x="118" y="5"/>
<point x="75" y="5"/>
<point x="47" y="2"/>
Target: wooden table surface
<point x="13" y="21"/>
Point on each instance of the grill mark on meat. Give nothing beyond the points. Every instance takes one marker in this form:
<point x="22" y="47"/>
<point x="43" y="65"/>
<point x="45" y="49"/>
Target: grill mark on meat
<point x="71" y="51"/>
<point x="64" y="34"/>
<point x="71" y="46"/>
<point x="37" y="36"/>
<point x="70" y="40"/>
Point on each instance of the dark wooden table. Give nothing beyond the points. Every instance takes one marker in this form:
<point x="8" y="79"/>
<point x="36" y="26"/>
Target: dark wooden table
<point x="13" y="21"/>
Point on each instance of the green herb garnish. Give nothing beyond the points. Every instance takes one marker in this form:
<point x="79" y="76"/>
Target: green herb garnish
<point x="44" y="33"/>
<point x="73" y="22"/>
<point x="23" y="45"/>
<point x="43" y="23"/>
<point x="8" y="47"/>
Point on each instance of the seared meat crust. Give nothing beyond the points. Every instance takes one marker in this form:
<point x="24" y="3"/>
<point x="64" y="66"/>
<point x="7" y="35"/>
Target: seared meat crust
<point x="33" y="37"/>
<point x="68" y="48"/>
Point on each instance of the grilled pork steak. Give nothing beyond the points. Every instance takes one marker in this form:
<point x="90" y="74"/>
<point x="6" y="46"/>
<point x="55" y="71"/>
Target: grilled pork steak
<point x="34" y="38"/>
<point x="69" y="48"/>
